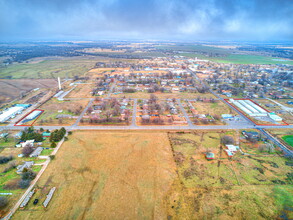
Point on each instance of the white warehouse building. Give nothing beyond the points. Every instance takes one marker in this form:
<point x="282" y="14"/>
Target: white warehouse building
<point x="10" y="113"/>
<point x="249" y="108"/>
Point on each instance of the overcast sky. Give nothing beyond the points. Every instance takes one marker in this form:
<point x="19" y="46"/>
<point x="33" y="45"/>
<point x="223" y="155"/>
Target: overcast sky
<point x="146" y="19"/>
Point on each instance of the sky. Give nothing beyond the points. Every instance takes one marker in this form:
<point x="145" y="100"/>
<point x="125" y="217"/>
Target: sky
<point x="254" y="20"/>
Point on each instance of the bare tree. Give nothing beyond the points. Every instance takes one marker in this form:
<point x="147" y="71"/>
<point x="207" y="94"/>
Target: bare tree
<point x="227" y="140"/>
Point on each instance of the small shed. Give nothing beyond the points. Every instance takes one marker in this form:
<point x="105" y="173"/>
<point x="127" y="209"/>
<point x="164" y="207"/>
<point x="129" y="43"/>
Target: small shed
<point x="227" y="116"/>
<point x="229" y="153"/>
<point x="46" y="134"/>
<point x="36" y="152"/>
<point x="210" y="156"/>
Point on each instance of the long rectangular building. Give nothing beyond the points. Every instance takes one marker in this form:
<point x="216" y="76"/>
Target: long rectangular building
<point x="249" y="108"/>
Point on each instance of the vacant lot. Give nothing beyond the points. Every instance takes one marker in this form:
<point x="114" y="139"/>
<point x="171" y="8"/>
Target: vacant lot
<point x="273" y="107"/>
<point x="49" y="68"/>
<point x="107" y="175"/>
<point x="202" y="112"/>
<point x="244" y="187"/>
<point x="164" y="95"/>
<point x="82" y="91"/>
<point x="12" y="89"/>
<point x="61" y="112"/>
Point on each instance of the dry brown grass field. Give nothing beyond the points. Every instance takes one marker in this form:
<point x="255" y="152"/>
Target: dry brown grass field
<point x="244" y="187"/>
<point x="107" y="175"/>
<point x="12" y="88"/>
<point x="160" y="95"/>
<point x="71" y="108"/>
<point x="159" y="175"/>
<point x="82" y="91"/>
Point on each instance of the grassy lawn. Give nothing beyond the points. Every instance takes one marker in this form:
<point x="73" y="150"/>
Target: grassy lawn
<point x="47" y="152"/>
<point x="288" y="139"/>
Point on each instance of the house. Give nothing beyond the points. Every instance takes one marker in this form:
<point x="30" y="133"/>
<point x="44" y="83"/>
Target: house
<point x="232" y="148"/>
<point x="36" y="152"/>
<point x="25" y="165"/>
<point x="28" y="142"/>
<point x="4" y="135"/>
<point x="46" y="134"/>
<point x="275" y="117"/>
<point x="18" y="135"/>
<point x="210" y="156"/>
<point x="250" y="135"/>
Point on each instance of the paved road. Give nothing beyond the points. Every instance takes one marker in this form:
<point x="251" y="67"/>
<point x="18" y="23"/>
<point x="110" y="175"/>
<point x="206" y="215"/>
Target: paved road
<point x="134" y="111"/>
<point x="84" y="111"/>
<point x="285" y="108"/>
<point x="184" y="113"/>
<point x="157" y="127"/>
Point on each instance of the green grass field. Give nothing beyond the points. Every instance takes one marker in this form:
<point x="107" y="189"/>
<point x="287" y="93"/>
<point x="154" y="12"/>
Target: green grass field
<point x="288" y="139"/>
<point x="48" y="68"/>
<point x="240" y="59"/>
<point x="225" y="55"/>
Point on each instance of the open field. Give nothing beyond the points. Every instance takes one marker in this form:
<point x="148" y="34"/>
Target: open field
<point x="50" y="68"/>
<point x="129" y="179"/>
<point x="81" y="91"/>
<point x="244" y="187"/>
<point x="223" y="55"/>
<point x="241" y="59"/>
<point x="61" y="112"/>
<point x="164" y="95"/>
<point x="201" y="112"/>
<point x="12" y="89"/>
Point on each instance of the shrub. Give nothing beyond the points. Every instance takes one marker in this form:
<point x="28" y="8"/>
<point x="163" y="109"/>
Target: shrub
<point x="10" y="166"/>
<point x="227" y="140"/>
<point x="28" y="175"/>
<point x="4" y="159"/>
<point x="26" y="151"/>
<point x="3" y="201"/>
<point x="23" y="184"/>
<point x="53" y="144"/>
<point x="52" y="157"/>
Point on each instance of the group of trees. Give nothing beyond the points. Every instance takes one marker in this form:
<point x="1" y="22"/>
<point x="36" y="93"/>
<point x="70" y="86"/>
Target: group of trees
<point x="227" y="140"/>
<point x="31" y="134"/>
<point x="3" y="201"/>
<point x="157" y="121"/>
<point x="57" y="135"/>
<point x="268" y="147"/>
<point x="104" y="120"/>
<point x="4" y="159"/>
<point x="156" y="88"/>
<point x="26" y="177"/>
<point x="128" y="90"/>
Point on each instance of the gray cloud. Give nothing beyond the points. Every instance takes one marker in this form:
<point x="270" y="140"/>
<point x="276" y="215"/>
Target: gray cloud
<point x="160" y="19"/>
